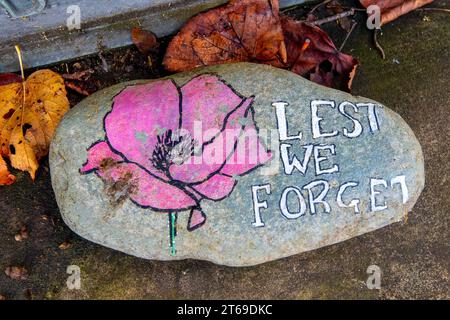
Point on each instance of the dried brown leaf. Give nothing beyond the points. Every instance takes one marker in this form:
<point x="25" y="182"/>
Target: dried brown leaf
<point x="81" y="82"/>
<point x="246" y="30"/>
<point x="81" y="87"/>
<point x="312" y="54"/>
<point x="8" y="78"/>
<point x="145" y="41"/>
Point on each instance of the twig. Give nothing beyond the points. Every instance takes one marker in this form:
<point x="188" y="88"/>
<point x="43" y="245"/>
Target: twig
<point x="433" y="9"/>
<point x="334" y="18"/>
<point x="105" y="66"/>
<point x="348" y="35"/>
<point x="319" y="5"/>
<point x="347" y="8"/>
<point x="377" y="44"/>
<point x="79" y="76"/>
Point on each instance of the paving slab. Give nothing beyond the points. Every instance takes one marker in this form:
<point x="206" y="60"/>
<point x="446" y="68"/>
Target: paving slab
<point x="45" y="37"/>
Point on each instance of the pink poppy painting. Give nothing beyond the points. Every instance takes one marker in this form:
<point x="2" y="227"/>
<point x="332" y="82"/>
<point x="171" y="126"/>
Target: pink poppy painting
<point x="169" y="147"/>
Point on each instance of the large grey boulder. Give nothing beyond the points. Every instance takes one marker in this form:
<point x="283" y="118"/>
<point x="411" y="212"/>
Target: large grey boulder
<point x="331" y="166"/>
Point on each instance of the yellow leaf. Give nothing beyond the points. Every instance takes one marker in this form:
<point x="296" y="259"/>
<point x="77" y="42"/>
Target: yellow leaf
<point x="28" y="120"/>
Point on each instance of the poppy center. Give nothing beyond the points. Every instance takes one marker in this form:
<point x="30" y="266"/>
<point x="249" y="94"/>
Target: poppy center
<point x="173" y="147"/>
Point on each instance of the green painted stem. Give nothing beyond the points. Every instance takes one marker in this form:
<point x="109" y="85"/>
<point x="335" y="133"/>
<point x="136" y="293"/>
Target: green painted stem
<point x="173" y="228"/>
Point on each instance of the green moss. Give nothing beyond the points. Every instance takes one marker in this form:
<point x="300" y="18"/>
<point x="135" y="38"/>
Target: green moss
<point x="329" y="290"/>
<point x="115" y="277"/>
<point x="415" y="47"/>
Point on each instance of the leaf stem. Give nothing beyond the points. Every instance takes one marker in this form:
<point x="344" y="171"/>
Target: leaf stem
<point x="348" y="35"/>
<point x="338" y="16"/>
<point x="319" y="5"/>
<point x="378" y="45"/>
<point x="19" y="54"/>
<point x="434" y="9"/>
<point x="24" y="100"/>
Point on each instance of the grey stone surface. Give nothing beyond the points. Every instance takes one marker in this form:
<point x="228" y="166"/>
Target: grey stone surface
<point x="46" y="39"/>
<point x="21" y="8"/>
<point x="229" y="237"/>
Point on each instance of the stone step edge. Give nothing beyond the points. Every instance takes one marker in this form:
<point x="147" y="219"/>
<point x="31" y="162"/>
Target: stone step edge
<point x="58" y="45"/>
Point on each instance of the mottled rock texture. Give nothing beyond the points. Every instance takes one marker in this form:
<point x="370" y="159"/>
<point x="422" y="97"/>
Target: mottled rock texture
<point x="385" y="150"/>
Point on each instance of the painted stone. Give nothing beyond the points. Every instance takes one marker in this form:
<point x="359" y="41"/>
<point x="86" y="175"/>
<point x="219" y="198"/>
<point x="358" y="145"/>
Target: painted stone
<point x="236" y="164"/>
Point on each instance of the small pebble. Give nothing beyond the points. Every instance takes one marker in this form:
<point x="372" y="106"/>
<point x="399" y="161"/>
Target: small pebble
<point x="65" y="245"/>
<point x="21" y="235"/>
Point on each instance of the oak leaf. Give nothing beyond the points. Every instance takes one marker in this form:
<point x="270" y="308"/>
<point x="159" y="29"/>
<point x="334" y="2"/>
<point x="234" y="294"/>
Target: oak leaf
<point x="392" y="9"/>
<point x="242" y="30"/>
<point x="312" y="54"/>
<point x="29" y="114"/>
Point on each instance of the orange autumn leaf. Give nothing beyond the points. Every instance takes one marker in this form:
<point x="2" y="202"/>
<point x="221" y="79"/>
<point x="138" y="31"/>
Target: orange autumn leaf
<point x="28" y="121"/>
<point x="392" y="9"/>
<point x="6" y="178"/>
<point x="242" y="30"/>
<point x="312" y="54"/>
